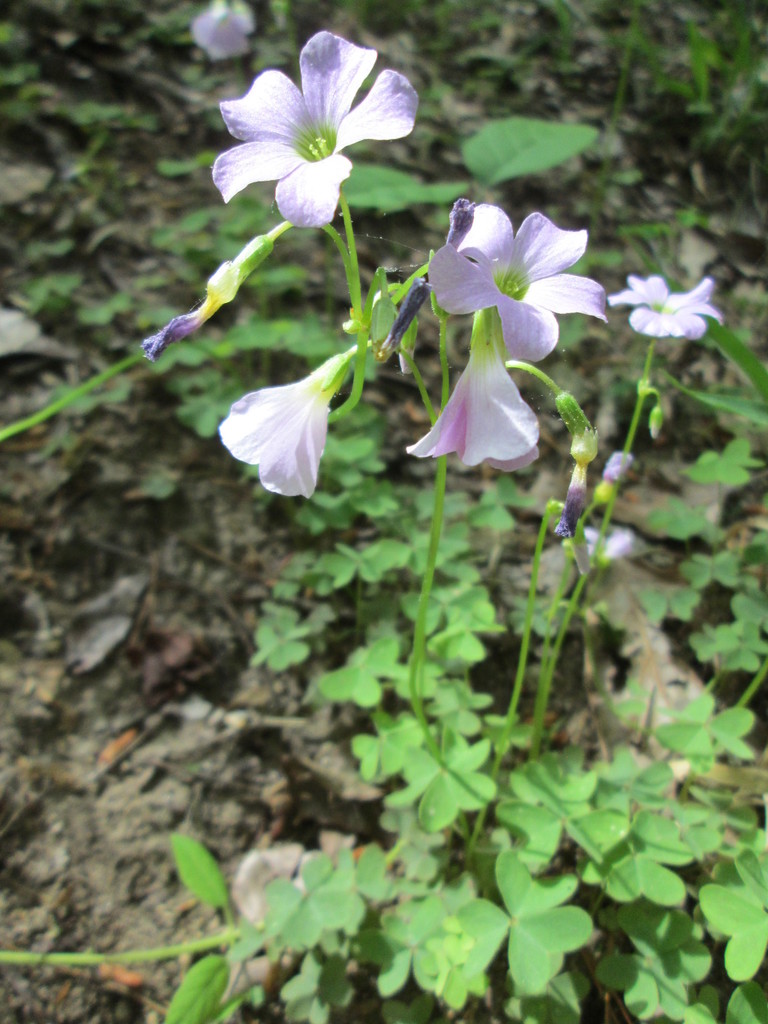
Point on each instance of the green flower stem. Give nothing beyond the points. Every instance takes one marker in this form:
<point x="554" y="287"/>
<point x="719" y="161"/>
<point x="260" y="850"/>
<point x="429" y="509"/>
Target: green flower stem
<point x="419" y="650"/>
<point x="644" y="389"/>
<point x="338" y="241"/>
<point x="565" y="575"/>
<point x="349" y="256"/>
<point x="517" y="364"/>
<point x="70" y="397"/>
<point x="421" y="386"/>
<point x="754" y="686"/>
<point x="20" y="958"/>
<point x="418" y="653"/>
<point x="548" y="667"/>
<point x="553" y="508"/>
<point x="355" y="288"/>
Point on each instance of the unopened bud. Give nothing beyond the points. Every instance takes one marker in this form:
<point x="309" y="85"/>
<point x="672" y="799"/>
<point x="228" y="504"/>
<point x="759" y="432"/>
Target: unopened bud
<point x="656" y="421"/>
<point x="572" y="414"/>
<point x="461" y="219"/>
<point x="409" y="307"/>
<point x="575" y="502"/>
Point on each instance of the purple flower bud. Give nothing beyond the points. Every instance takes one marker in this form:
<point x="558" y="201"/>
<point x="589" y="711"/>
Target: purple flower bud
<point x="575" y="501"/>
<point x="178" y="328"/>
<point x="461" y="217"/>
<point x="617" y="467"/>
<point x="409" y="307"/>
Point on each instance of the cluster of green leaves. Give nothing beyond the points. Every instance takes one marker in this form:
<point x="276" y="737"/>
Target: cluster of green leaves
<point x="731" y="573"/>
<point x="612" y="838"/>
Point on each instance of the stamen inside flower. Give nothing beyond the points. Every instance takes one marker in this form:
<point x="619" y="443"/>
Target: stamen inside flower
<point x="513" y="282"/>
<point x="316" y="145"/>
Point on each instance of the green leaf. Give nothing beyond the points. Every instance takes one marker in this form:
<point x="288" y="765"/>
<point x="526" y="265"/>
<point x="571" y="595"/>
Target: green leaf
<point x="388" y="190"/>
<point x="745" y="358"/>
<point x="522" y="145"/>
<point x="735" y="914"/>
<point x="747" y="1005"/>
<point x="635" y="876"/>
<point x="732" y="403"/>
<point x="199" y="871"/>
<point x="730" y="467"/>
<point x="536" y="831"/>
<point x="198" y="998"/>
<point x="487" y="924"/>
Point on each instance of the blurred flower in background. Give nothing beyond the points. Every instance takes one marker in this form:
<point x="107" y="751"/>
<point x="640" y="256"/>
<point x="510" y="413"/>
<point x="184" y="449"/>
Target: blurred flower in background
<point x="223" y="29"/>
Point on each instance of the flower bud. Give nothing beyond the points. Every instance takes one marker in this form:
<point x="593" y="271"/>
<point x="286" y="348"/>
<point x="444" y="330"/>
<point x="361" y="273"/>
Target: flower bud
<point x="409" y="307"/>
<point x="656" y="421"/>
<point x="575" y="502"/>
<point x="572" y="414"/>
<point x="461" y="218"/>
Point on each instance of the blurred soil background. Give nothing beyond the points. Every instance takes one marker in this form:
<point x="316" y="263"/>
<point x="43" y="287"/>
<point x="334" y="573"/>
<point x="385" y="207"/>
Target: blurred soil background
<point x="138" y="558"/>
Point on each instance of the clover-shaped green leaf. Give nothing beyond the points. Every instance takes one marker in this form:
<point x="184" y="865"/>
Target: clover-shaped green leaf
<point x="360" y="680"/>
<point x="331" y="902"/>
<point x="447" y="788"/>
<point x="747" y="1005"/>
<point x="736" y="908"/>
<point x="669" y="958"/>
<point x="559" y="1004"/>
<point x="541" y="930"/>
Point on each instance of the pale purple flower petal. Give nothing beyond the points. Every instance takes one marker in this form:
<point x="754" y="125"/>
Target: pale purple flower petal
<point x="491" y="233"/>
<point x="286" y="132"/>
<point x="568" y="293"/>
<point x="387" y="112"/>
<point x="485" y="419"/>
<point x="534" y="332"/>
<point x="273" y="106"/>
<point x="309" y="194"/>
<point x="222" y="31"/>
<point x="282" y="430"/>
<point x="544" y="249"/>
<point x="663" y="315"/>
<point x="519" y="275"/>
<point x="462" y="285"/>
<point x="332" y="71"/>
<point x="618" y="544"/>
<point x="253" y="161"/>
<point x="617" y="466"/>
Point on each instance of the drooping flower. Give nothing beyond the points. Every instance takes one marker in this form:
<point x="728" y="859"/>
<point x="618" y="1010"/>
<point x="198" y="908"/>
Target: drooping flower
<point x="520" y="275"/>
<point x="664" y="314"/>
<point x="296" y="137"/>
<point x="618" y="544"/>
<point x="282" y="430"/>
<point x="485" y="419"/>
<point x="223" y="29"/>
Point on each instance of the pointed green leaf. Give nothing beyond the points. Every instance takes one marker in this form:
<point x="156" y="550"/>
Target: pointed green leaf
<point x="198" y="998"/>
<point x="199" y="871"/>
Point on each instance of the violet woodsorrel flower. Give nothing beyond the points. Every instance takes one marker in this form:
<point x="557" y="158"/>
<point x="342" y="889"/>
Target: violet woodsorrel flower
<point x="618" y="544"/>
<point x="617" y="466"/>
<point x="283" y="429"/>
<point x="485" y="419"/>
<point x="223" y="30"/>
<point x="297" y="137"/>
<point x="664" y="314"/>
<point x="520" y="275"/>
